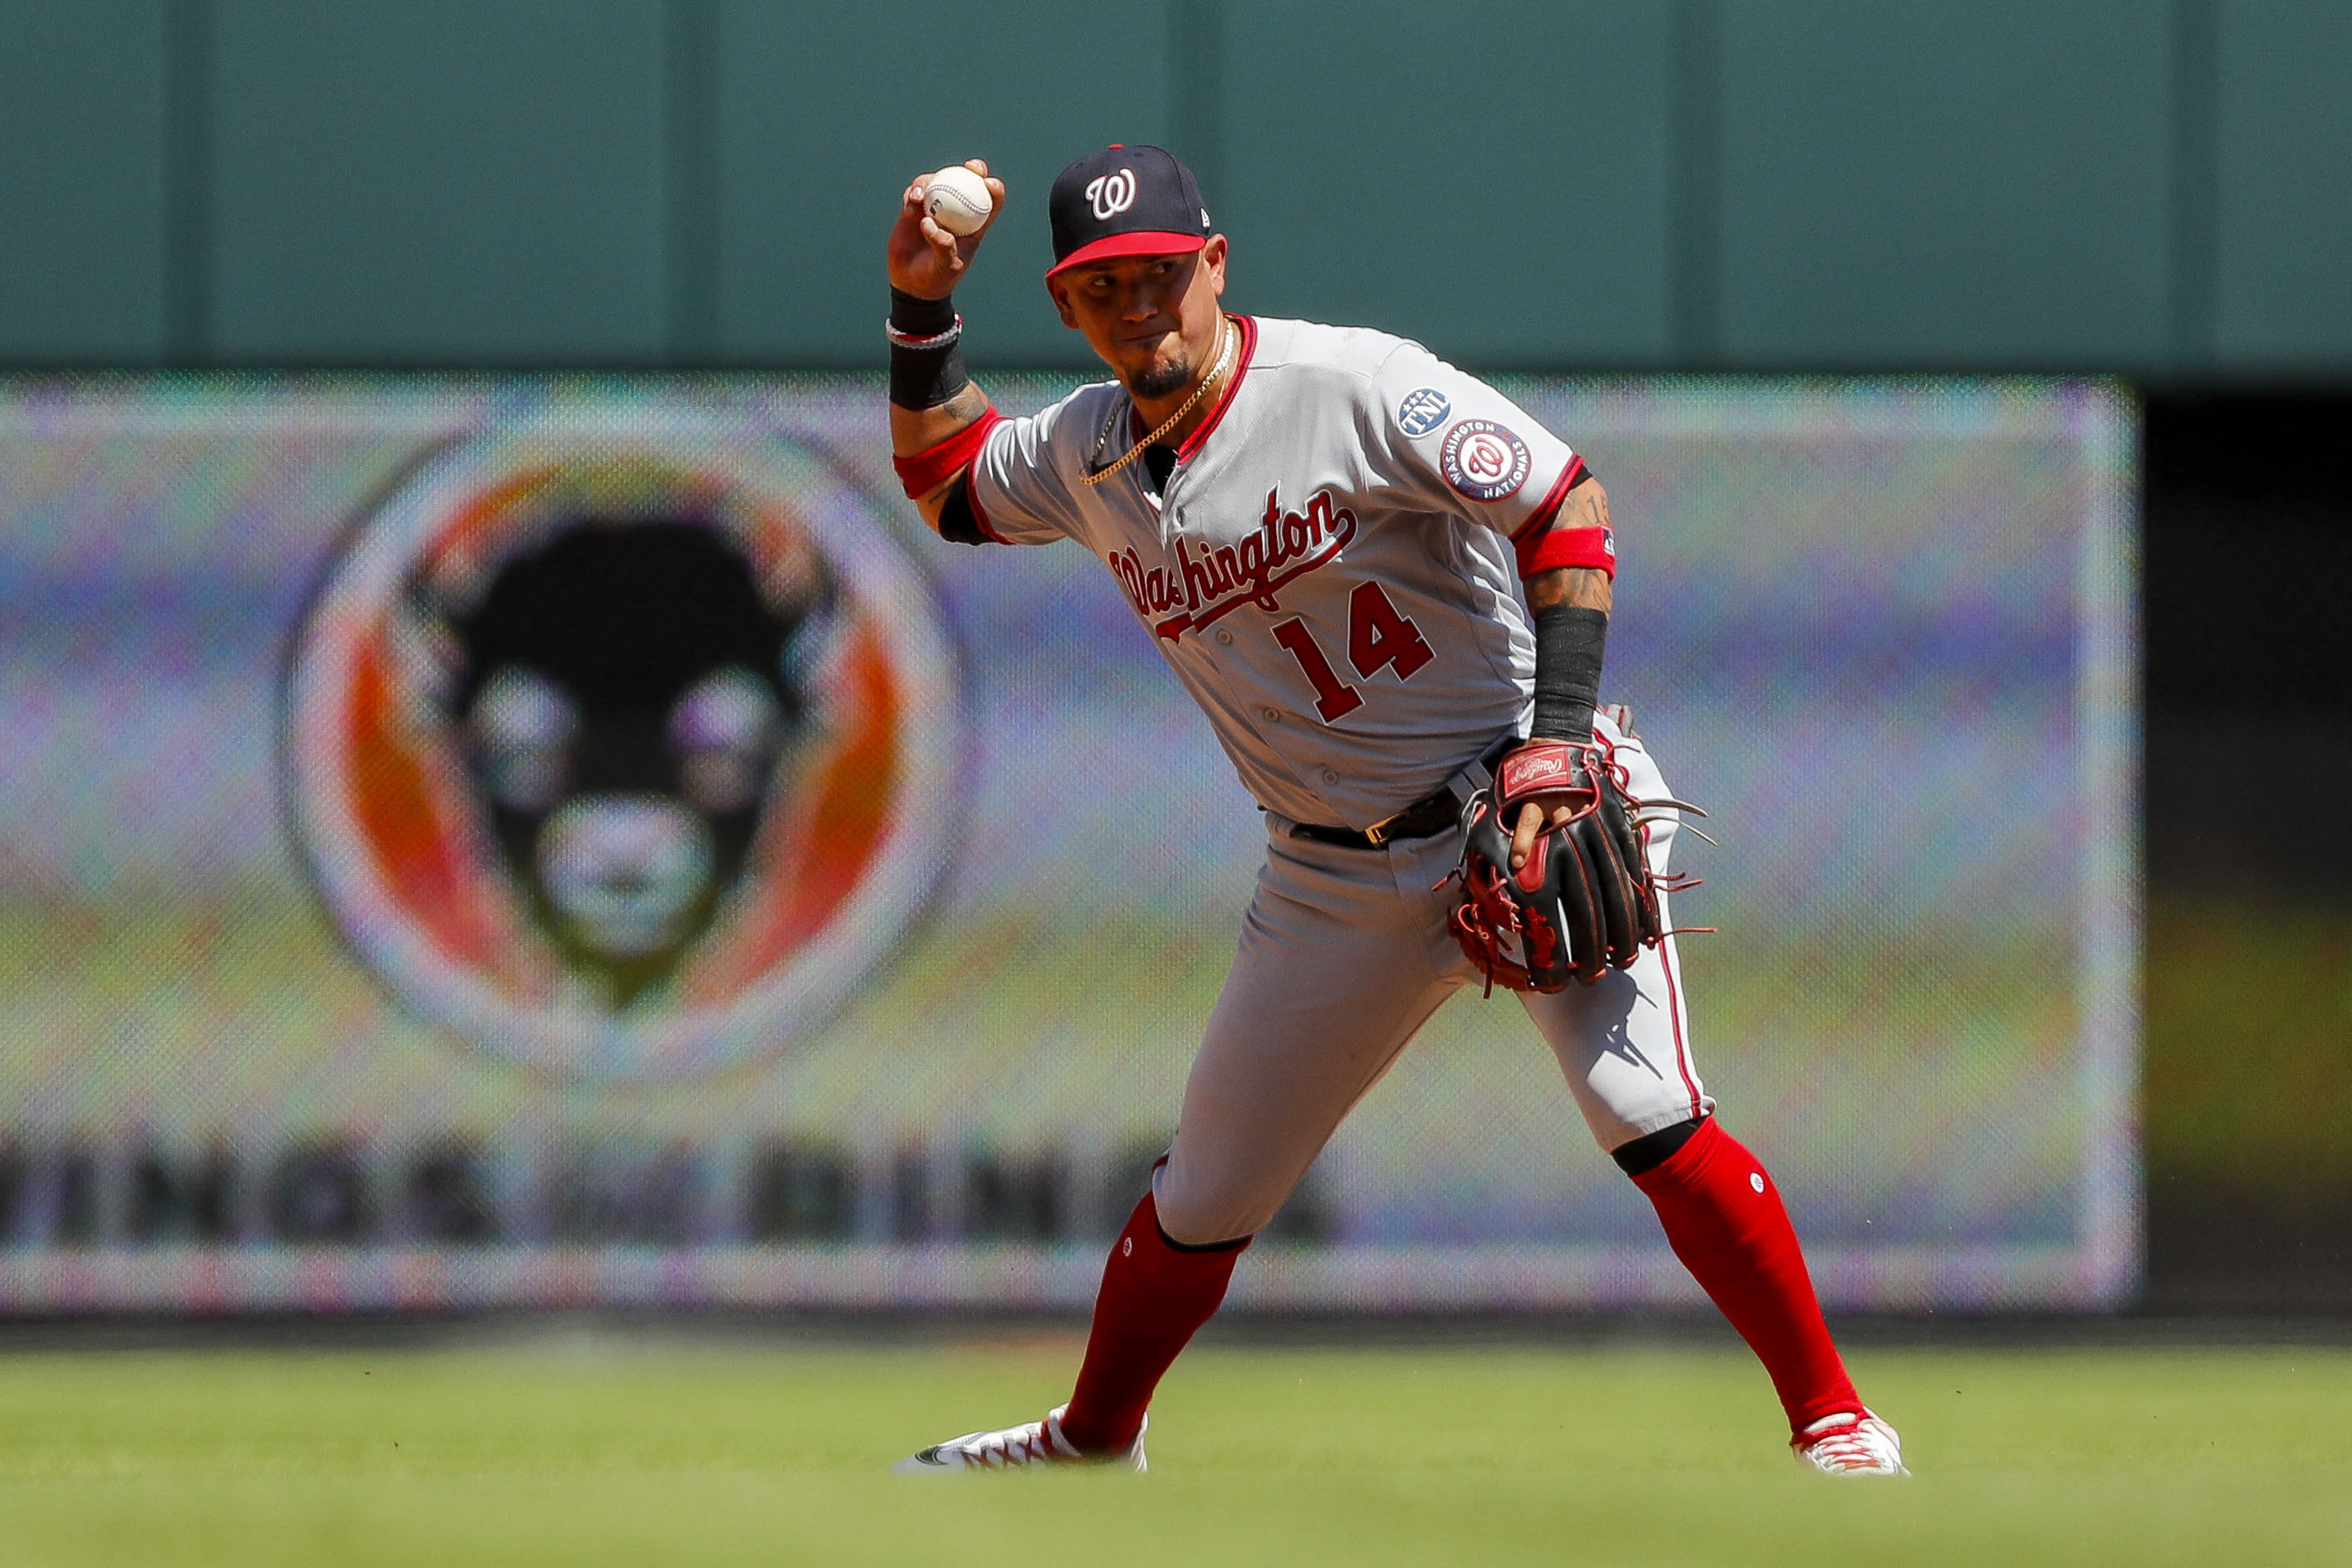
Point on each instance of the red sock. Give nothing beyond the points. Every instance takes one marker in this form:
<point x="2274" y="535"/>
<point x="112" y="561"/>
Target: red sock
<point x="1154" y="1298"/>
<point x="1723" y="1219"/>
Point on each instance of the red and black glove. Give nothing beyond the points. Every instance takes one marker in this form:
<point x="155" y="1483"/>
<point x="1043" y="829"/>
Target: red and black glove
<point x="1585" y="901"/>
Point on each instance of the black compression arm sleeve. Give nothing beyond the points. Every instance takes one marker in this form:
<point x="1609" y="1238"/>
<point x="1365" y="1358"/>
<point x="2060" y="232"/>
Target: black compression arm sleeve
<point x="924" y="378"/>
<point x="1570" y="640"/>
<point x="959" y="524"/>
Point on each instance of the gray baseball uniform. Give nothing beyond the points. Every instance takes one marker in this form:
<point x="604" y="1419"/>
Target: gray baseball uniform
<point x="1329" y="570"/>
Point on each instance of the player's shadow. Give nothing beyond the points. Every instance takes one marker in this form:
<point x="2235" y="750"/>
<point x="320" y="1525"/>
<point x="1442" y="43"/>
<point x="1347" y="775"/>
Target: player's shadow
<point x="1602" y="1014"/>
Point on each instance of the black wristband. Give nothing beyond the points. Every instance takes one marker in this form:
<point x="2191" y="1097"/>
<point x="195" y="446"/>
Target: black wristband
<point x="1570" y="640"/>
<point x="920" y="318"/>
<point x="925" y="378"/>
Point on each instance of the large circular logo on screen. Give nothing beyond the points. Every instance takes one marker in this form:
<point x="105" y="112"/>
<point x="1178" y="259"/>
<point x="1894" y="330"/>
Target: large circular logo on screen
<point x="622" y="746"/>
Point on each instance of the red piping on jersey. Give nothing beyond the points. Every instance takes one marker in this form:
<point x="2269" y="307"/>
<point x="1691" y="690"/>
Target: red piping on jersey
<point x="1674" y="1004"/>
<point x="1549" y="508"/>
<point x="1224" y="399"/>
<point x="1674" y="1013"/>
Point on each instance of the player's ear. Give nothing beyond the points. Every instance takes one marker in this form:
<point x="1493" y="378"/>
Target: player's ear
<point x="1212" y="256"/>
<point x="1062" y="303"/>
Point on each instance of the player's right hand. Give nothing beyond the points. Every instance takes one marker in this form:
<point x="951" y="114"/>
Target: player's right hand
<point x="925" y="259"/>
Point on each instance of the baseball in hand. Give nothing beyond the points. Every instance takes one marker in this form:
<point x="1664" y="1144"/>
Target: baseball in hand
<point x="957" y="200"/>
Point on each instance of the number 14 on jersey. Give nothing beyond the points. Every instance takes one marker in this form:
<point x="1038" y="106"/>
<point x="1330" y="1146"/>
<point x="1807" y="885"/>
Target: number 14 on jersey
<point x="1378" y="637"/>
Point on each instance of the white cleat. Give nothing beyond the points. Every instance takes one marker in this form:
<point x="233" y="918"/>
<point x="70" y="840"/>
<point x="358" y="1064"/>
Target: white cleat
<point x="1856" y="1443"/>
<point x="1033" y="1443"/>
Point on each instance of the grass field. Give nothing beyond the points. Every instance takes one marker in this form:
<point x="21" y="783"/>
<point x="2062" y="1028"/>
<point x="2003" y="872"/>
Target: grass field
<point x="1651" y="1455"/>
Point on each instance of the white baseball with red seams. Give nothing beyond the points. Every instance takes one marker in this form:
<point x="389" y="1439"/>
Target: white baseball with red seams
<point x="958" y="200"/>
<point x="1330" y="572"/>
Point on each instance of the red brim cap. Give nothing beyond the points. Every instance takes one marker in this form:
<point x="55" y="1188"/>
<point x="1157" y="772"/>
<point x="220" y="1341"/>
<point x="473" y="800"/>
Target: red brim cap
<point x="1141" y="242"/>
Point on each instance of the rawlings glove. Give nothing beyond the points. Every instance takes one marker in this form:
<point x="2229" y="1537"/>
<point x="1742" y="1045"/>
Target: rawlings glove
<point x="1586" y="901"/>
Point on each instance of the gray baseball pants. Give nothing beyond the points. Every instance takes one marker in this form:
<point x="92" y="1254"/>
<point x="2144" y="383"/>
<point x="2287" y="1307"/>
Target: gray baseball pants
<point x="1345" y="953"/>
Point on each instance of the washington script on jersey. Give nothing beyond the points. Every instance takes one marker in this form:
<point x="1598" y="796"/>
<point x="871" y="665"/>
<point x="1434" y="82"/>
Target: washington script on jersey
<point x="1219" y="579"/>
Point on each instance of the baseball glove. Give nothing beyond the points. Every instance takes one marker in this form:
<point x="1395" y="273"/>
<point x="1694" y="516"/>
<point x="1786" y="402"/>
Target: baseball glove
<point x="1586" y="901"/>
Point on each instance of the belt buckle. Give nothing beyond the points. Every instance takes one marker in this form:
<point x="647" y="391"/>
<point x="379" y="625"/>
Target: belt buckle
<point x="1377" y="833"/>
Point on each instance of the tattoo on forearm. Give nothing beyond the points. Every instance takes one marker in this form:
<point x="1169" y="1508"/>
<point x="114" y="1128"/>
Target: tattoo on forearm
<point x="1592" y="504"/>
<point x="1579" y="588"/>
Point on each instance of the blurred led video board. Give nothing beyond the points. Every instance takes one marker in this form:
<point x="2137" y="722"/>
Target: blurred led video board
<point x="494" y="841"/>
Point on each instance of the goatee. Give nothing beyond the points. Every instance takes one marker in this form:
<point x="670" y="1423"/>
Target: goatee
<point x="1162" y="380"/>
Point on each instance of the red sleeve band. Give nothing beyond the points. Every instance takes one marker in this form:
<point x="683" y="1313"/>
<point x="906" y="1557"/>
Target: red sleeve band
<point x="1542" y="548"/>
<point x="1592" y="549"/>
<point x="933" y="466"/>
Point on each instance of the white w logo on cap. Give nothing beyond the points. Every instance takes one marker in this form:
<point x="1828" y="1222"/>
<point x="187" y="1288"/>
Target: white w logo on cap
<point x="1111" y="194"/>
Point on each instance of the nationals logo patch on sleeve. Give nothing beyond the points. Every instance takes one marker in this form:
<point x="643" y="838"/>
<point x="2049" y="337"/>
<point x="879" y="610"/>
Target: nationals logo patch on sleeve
<point x="1484" y="460"/>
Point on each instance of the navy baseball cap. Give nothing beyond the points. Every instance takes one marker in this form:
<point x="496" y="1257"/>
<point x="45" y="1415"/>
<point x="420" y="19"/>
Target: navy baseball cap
<point x="1125" y="201"/>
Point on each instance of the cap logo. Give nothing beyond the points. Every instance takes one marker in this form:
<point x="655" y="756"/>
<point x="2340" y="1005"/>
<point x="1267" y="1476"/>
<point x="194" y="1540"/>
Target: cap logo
<point x="1111" y="194"/>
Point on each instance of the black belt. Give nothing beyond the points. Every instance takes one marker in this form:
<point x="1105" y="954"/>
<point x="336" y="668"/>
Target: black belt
<point x="1432" y="813"/>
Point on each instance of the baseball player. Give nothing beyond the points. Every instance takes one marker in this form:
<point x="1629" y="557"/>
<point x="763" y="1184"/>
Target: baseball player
<point x="1389" y="589"/>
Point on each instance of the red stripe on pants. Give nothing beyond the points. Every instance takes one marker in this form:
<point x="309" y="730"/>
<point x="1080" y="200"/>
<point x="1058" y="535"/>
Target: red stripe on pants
<point x="1153" y="1300"/>
<point x="1724" y="1218"/>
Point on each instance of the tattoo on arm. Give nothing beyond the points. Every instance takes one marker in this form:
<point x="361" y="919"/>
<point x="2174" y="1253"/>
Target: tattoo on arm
<point x="1587" y="506"/>
<point x="1574" y="586"/>
<point x="966" y="405"/>
<point x="1579" y="588"/>
<point x="920" y="430"/>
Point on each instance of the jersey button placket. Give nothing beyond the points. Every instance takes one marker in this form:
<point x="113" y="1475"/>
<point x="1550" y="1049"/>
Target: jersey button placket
<point x="1273" y="714"/>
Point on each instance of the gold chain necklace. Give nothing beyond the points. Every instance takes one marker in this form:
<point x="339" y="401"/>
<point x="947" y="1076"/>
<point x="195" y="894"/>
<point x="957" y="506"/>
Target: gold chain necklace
<point x="1227" y="338"/>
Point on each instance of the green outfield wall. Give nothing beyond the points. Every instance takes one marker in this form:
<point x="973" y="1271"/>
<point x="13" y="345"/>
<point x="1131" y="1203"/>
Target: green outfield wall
<point x="2162" y="189"/>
